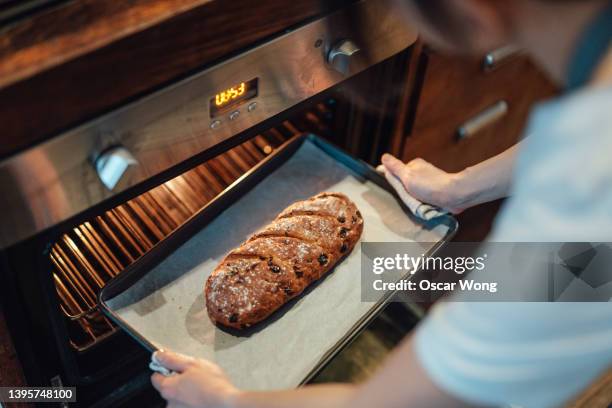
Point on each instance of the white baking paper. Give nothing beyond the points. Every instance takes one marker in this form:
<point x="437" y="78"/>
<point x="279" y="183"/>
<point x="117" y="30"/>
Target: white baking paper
<point x="167" y="307"/>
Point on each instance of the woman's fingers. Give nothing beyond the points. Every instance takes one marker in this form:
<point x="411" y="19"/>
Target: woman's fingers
<point x="424" y="181"/>
<point x="161" y="382"/>
<point x="167" y="386"/>
<point x="173" y="361"/>
<point x="397" y="168"/>
<point x="193" y="383"/>
<point x="393" y="164"/>
<point x="158" y="381"/>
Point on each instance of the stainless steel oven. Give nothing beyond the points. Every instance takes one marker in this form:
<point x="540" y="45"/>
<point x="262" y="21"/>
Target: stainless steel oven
<point x="82" y="206"/>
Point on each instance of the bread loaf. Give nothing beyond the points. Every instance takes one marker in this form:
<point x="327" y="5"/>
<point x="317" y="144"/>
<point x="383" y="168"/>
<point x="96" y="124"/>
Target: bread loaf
<point x="277" y="263"/>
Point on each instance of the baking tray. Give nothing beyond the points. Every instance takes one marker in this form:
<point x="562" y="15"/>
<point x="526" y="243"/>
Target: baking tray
<point x="159" y="300"/>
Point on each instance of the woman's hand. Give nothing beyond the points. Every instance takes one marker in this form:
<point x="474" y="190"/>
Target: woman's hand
<point x="455" y="192"/>
<point x="427" y="183"/>
<point x="197" y="383"/>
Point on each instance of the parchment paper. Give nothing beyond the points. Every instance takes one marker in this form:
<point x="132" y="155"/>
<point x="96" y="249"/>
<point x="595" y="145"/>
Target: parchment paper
<point x="167" y="307"/>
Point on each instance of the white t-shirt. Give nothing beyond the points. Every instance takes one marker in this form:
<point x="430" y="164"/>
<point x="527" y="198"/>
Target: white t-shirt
<point x="537" y="354"/>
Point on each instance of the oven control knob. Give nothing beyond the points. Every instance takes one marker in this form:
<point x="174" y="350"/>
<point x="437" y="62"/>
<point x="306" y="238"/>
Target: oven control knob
<point x="341" y="55"/>
<point x="112" y="164"/>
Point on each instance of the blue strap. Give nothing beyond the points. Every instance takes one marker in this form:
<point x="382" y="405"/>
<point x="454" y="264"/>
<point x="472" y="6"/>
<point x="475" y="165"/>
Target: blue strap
<point x="592" y="46"/>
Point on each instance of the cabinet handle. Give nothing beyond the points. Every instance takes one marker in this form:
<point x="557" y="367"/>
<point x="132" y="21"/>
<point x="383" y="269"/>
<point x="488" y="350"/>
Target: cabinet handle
<point x="498" y="57"/>
<point x="482" y="120"/>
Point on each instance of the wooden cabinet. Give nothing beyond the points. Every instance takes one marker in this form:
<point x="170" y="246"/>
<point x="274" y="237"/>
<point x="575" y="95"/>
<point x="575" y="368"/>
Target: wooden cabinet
<point x="456" y="90"/>
<point x="451" y="91"/>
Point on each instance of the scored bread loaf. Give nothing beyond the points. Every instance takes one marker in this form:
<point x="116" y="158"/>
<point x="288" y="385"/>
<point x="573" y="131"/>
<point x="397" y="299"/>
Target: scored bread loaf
<point x="277" y="263"/>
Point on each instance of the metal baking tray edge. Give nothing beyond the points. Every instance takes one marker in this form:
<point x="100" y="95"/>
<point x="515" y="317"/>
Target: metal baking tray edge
<point x="241" y="186"/>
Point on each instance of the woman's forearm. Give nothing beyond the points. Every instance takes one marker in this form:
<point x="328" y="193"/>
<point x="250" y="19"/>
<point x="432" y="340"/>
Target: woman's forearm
<point x="486" y="181"/>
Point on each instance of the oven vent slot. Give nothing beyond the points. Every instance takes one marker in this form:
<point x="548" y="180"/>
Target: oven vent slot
<point x="89" y="255"/>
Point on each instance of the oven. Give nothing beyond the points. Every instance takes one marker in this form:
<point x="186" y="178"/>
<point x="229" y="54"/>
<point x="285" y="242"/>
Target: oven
<point x="82" y="206"/>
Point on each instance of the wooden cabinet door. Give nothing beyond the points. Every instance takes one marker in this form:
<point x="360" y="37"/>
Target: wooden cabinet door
<point x="457" y="91"/>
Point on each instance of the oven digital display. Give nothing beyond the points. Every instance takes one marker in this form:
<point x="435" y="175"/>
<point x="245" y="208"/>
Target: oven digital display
<point x="230" y="98"/>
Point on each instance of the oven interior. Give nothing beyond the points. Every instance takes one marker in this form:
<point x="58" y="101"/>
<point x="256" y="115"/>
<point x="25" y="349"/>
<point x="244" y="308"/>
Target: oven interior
<point x="51" y="282"/>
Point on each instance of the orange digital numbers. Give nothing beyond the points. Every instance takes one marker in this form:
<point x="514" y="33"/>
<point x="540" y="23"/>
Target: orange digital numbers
<point x="230" y="94"/>
<point x="231" y="98"/>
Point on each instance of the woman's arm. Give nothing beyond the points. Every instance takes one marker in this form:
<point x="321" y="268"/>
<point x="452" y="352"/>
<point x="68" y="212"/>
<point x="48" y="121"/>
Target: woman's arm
<point x="455" y="192"/>
<point x="400" y="383"/>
